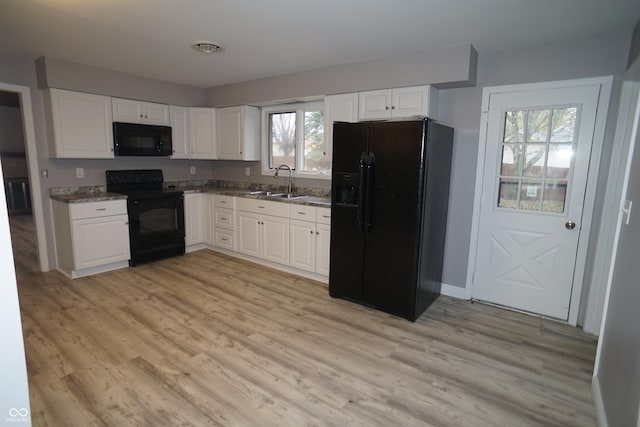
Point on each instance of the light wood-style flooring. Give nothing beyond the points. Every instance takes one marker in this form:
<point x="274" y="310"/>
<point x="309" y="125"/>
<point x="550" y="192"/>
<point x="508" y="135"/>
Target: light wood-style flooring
<point x="210" y="340"/>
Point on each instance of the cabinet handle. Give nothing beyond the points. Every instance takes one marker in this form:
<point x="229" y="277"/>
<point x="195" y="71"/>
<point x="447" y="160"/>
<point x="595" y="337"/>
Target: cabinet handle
<point x="224" y="218"/>
<point x="301" y="213"/>
<point x="260" y="207"/>
<point x="386" y="108"/>
<point x="326" y="216"/>
<point x="101" y="209"/>
<point x="223" y="202"/>
<point x="317" y="232"/>
<point x="141" y="116"/>
<point x="224" y="239"/>
<point x="393" y="107"/>
<point x="311" y="231"/>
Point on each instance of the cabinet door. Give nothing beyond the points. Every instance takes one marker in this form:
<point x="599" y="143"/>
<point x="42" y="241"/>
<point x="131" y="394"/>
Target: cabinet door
<point x="156" y="114"/>
<point x="249" y="233"/>
<point x="275" y="239"/>
<point x="81" y="124"/>
<point x="113" y="234"/>
<point x="338" y="108"/>
<point x="375" y="104"/>
<point x="202" y="133"/>
<point x="179" y="132"/>
<point x="230" y="133"/>
<point x="193" y="219"/>
<point x="410" y="101"/>
<point x="323" y="240"/>
<point x="303" y="245"/>
<point x="208" y="205"/>
<point x="127" y="110"/>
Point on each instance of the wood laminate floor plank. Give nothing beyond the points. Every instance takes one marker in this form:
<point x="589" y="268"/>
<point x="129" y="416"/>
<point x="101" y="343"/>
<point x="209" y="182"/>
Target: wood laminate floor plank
<point x="208" y="339"/>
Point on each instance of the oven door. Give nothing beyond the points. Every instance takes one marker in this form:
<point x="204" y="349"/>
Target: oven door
<point x="156" y="228"/>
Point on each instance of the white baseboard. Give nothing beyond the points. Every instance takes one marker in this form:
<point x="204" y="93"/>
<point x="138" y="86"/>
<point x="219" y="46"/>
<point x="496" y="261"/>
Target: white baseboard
<point x="455" y="292"/>
<point x="598" y="403"/>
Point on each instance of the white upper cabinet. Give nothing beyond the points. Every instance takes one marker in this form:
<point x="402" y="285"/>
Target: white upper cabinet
<point x="402" y="102"/>
<point x="79" y="125"/>
<point x="338" y="108"/>
<point x="202" y="133"/>
<point x="179" y="132"/>
<point x="239" y="133"/>
<point x="132" y="111"/>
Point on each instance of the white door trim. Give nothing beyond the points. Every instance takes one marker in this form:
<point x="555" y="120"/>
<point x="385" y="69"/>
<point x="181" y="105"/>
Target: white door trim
<point x="34" y="172"/>
<point x="605" y="84"/>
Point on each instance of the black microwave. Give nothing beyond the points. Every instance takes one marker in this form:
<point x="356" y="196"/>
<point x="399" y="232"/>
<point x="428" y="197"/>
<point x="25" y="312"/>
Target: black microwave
<point x="130" y="139"/>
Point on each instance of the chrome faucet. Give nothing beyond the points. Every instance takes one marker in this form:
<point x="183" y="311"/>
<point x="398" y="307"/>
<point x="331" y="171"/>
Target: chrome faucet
<point x="286" y="167"/>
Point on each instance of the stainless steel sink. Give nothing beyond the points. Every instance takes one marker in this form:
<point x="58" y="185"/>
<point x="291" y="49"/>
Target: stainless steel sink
<point x="289" y="196"/>
<point x="265" y="193"/>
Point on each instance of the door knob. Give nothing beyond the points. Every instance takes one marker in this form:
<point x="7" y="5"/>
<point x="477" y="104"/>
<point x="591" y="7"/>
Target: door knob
<point x="570" y="225"/>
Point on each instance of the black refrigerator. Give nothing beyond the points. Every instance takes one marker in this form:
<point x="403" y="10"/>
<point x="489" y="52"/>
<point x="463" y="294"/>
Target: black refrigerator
<point x="389" y="198"/>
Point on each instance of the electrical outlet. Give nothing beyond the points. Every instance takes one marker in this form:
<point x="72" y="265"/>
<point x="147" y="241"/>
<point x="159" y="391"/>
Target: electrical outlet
<point x="79" y="172"/>
<point x="247" y="171"/>
<point x="44" y="173"/>
<point x="192" y="170"/>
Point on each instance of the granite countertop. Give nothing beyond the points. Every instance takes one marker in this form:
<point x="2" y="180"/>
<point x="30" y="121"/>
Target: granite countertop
<point x="72" y="196"/>
<point x="87" y="197"/>
<point x="243" y="192"/>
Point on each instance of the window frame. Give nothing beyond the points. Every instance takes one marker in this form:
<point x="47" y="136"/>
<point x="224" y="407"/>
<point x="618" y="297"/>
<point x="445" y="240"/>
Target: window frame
<point x="299" y="108"/>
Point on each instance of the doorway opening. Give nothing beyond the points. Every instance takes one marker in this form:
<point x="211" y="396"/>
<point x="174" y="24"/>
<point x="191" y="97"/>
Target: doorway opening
<point x="18" y="155"/>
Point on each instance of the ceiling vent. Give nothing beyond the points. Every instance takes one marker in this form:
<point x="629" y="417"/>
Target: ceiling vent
<point x="207" y="47"/>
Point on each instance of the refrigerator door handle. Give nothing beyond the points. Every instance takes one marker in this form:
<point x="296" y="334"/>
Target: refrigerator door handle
<point x="371" y="163"/>
<point x="361" y="191"/>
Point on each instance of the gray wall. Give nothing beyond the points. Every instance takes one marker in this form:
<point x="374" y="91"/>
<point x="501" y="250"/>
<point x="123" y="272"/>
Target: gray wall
<point x="619" y="363"/>
<point x="447" y="67"/>
<point x="458" y="107"/>
<point x="11" y="135"/>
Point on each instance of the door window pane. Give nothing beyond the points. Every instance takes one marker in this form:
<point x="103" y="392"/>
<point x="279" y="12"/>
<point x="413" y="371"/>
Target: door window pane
<point x="537" y="156"/>
<point x="530" y="195"/>
<point x="511" y="159"/>
<point x="514" y="126"/>
<point x="555" y="194"/>
<point x="508" y="193"/>
<point x="538" y="126"/>
<point x="559" y="163"/>
<point x="282" y="132"/>
<point x="534" y="160"/>
<point x="563" y="124"/>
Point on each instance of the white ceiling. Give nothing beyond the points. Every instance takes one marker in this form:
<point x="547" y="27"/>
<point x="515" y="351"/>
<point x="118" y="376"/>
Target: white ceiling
<point x="151" y="38"/>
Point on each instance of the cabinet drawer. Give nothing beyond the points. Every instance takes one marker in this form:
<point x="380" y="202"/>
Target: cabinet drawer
<point x="97" y="209"/>
<point x="225" y="239"/>
<point x="303" y="213"/>
<point x="263" y="207"/>
<point x="323" y="215"/>
<point x="225" y="201"/>
<point x="225" y="218"/>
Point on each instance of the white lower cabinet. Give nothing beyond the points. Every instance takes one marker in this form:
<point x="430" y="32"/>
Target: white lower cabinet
<point x="224" y="222"/>
<point x="323" y="240"/>
<point x="91" y="237"/>
<point x="263" y="229"/>
<point x="208" y="211"/>
<point x="310" y="238"/>
<point x="193" y="220"/>
<point x="286" y="234"/>
<point x="303" y="245"/>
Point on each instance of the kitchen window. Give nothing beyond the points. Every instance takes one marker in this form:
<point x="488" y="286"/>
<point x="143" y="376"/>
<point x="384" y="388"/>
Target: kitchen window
<point x="293" y="135"/>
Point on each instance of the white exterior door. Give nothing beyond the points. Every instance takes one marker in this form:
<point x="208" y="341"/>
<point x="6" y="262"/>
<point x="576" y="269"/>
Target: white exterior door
<point x="538" y="148"/>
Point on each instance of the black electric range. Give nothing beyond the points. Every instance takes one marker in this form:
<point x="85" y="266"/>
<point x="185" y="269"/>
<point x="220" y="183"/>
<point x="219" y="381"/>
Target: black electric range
<point x="156" y="214"/>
